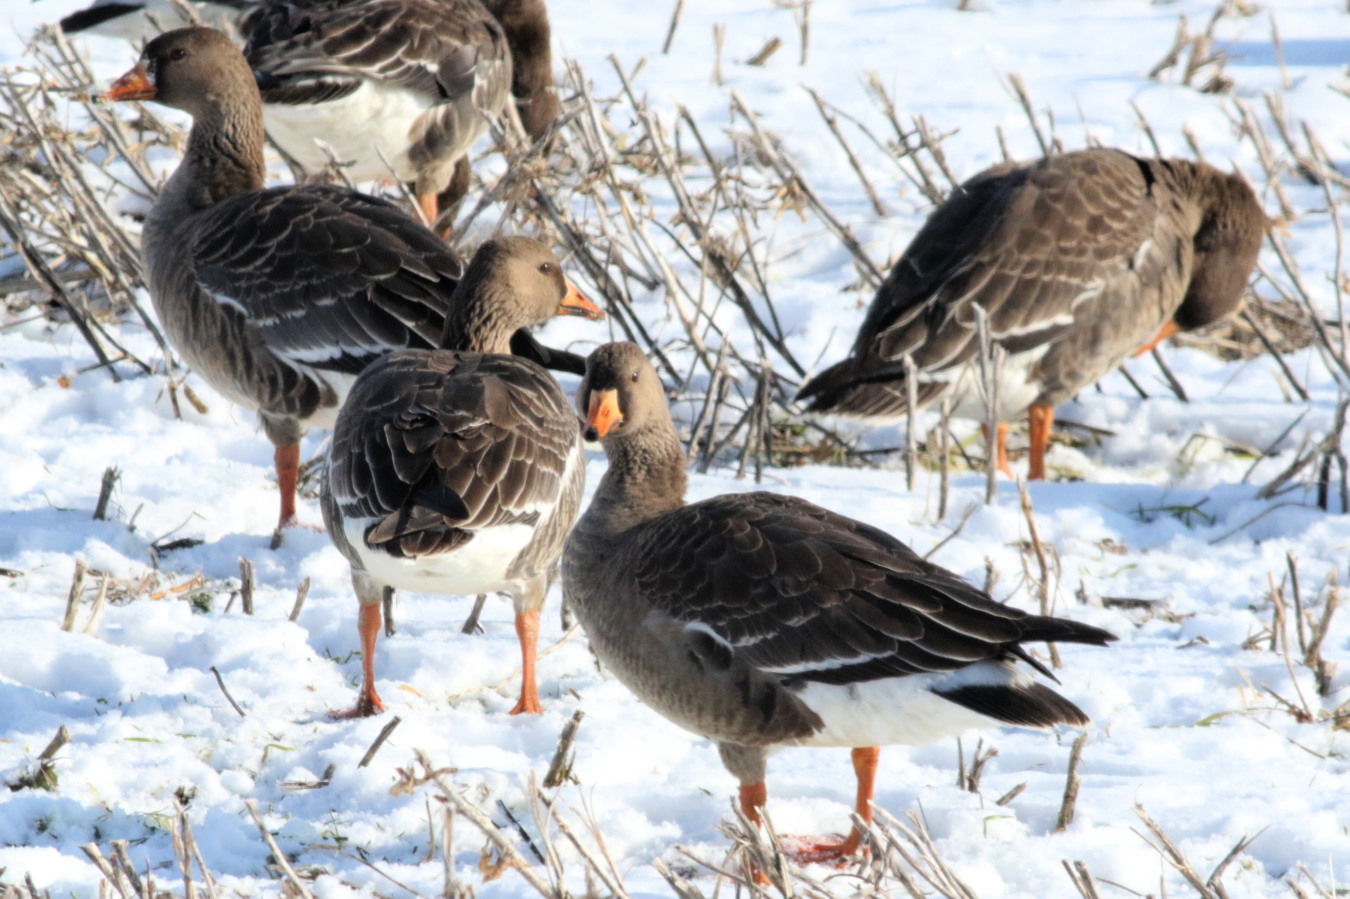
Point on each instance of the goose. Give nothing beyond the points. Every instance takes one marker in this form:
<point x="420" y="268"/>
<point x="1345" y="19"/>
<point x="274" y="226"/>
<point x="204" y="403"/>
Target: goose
<point x="762" y="621"/>
<point x="1078" y="259"/>
<point x="459" y="470"/>
<point x="401" y="85"/>
<point x="278" y="297"/>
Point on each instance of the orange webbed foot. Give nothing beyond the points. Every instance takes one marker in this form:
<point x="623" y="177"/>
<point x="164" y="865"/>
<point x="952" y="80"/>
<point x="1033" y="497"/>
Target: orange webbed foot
<point x="367" y="706"/>
<point x="527" y="706"/>
<point x="832" y="850"/>
<point x="279" y="535"/>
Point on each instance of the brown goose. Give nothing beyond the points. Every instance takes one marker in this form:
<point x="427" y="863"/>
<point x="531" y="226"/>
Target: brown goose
<point x="459" y="470"/>
<point x="762" y="621"/>
<point x="277" y="297"/>
<point x="1079" y="260"/>
<point x="407" y="84"/>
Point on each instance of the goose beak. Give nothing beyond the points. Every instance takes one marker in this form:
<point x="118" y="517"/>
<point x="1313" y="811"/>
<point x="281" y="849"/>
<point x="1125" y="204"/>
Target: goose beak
<point x="134" y="85"/>
<point x="602" y="415"/>
<point x="575" y="303"/>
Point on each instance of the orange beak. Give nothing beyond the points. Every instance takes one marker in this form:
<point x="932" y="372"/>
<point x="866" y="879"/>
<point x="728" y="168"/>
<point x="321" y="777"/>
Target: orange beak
<point x="134" y="85"/>
<point x="575" y="303"/>
<point x="602" y="414"/>
<point x="1167" y="330"/>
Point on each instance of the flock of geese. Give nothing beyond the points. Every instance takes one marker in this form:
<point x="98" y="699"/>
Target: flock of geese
<point x="760" y="621"/>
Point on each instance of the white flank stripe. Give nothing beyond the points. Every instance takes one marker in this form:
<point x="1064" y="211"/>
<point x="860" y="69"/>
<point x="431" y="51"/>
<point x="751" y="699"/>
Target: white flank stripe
<point x="821" y="665"/>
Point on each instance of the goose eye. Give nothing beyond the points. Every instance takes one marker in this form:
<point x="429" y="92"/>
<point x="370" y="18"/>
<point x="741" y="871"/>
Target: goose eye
<point x="177" y="53"/>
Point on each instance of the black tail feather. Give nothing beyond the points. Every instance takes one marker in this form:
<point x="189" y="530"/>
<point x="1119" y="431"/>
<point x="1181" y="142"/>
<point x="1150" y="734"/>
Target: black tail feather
<point x="1032" y="706"/>
<point x="846" y="388"/>
<point x="1063" y="630"/>
<point x="1056" y="630"/>
<point x="94" y="16"/>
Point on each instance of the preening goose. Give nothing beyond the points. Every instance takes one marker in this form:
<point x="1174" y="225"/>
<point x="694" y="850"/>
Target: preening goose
<point x="1078" y="259"/>
<point x="762" y="621"/>
<point x="277" y="297"/>
<point x="407" y="84"/>
<point x="459" y="470"/>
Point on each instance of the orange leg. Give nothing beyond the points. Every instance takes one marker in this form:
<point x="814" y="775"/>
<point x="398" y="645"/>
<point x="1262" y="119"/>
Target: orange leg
<point x="1169" y="328"/>
<point x="527" y="629"/>
<point x="1039" y="420"/>
<point x="865" y="769"/>
<point x="999" y="450"/>
<point x="429" y="208"/>
<point x="287" y="461"/>
<point x="368" y="702"/>
<point x="753" y="797"/>
<point x="833" y="850"/>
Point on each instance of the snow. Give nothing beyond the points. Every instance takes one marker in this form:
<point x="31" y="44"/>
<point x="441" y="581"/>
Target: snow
<point x="1186" y="722"/>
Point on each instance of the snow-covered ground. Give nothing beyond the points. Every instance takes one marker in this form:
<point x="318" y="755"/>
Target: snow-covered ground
<point x="1192" y="709"/>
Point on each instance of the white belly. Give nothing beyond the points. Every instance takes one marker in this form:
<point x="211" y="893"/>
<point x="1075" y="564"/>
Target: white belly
<point x="478" y="566"/>
<point x="898" y="710"/>
<point x="374" y="118"/>
<point x="1016" y="391"/>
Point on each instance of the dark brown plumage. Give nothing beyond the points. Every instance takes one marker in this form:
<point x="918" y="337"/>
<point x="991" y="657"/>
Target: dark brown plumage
<point x="407" y="84"/>
<point x="1078" y="259"/>
<point x="459" y="470"/>
<point x="763" y="621"/>
<point x="529" y="35"/>
<point x="277" y="297"/>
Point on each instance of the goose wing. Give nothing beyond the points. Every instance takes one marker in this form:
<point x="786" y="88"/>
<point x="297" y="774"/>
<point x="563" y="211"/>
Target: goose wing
<point x="1029" y="244"/>
<point x="805" y="593"/>
<point x="312" y="51"/>
<point x="432" y="446"/>
<point x="325" y="277"/>
<point x="1035" y="246"/>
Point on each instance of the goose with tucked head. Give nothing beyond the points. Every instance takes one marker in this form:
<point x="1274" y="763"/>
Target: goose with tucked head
<point x="1077" y="260"/>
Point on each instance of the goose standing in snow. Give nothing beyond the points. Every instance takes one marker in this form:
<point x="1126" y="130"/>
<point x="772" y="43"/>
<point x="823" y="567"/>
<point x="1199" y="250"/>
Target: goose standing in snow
<point x="762" y="621"/>
<point x="1079" y="260"/>
<point x="407" y="85"/>
<point x="459" y="470"/>
<point x="278" y="297"/>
